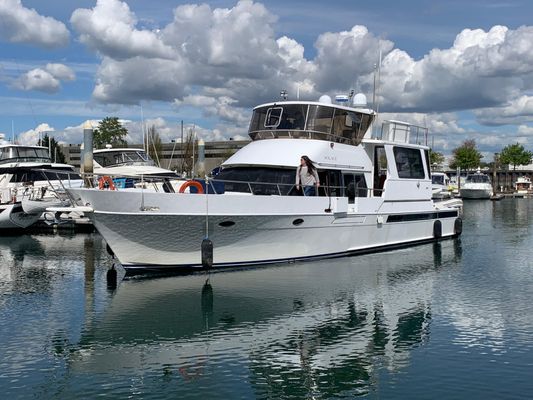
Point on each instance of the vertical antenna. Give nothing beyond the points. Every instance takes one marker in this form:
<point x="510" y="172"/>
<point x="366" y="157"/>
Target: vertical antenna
<point x="12" y="131"/>
<point x="298" y="92"/>
<point x="145" y="139"/>
<point x="378" y="80"/>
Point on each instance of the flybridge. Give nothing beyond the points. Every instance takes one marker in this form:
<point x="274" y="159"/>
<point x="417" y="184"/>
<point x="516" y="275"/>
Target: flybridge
<point x="323" y="120"/>
<point x="313" y="120"/>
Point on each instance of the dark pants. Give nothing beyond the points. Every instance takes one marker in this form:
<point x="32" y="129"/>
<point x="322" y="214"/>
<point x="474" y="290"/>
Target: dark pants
<point x="309" y="191"/>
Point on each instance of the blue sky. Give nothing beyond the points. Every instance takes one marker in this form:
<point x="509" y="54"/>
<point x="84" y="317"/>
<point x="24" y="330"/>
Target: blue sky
<point x="464" y="69"/>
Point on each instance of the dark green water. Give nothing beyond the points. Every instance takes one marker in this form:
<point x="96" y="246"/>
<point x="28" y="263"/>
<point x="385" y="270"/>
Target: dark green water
<point x="450" y="321"/>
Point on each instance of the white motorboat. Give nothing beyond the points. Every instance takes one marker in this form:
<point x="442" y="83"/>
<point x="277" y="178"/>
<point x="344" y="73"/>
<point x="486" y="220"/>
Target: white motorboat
<point x="375" y="194"/>
<point x="477" y="186"/>
<point x="127" y="166"/>
<point x="30" y="183"/>
<point x="440" y="185"/>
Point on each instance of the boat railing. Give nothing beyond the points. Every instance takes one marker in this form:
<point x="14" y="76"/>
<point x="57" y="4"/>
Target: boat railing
<point x="402" y="132"/>
<point x="211" y="185"/>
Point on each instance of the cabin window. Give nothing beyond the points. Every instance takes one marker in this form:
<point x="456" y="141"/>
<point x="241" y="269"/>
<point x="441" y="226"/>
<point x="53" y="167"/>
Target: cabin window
<point x="330" y="183"/>
<point x="110" y="158"/>
<point x="21" y="175"/>
<point x="380" y="170"/>
<point x="320" y="118"/>
<point x="354" y="186"/>
<point x="428" y="166"/>
<point x="273" y="117"/>
<point x="409" y="163"/>
<point x="347" y="124"/>
<point x="258" y="180"/>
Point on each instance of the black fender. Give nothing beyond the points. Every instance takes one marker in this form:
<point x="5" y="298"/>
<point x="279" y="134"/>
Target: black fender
<point x="437" y="229"/>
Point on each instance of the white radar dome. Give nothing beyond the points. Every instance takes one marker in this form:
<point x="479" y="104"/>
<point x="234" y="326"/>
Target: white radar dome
<point x="359" y="100"/>
<point x="324" y="99"/>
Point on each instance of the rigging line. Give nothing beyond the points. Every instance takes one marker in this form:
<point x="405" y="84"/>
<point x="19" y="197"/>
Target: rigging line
<point x="172" y="154"/>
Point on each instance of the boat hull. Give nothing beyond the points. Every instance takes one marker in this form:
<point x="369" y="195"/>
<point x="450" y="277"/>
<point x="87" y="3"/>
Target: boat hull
<point x="296" y="228"/>
<point x="475" y="193"/>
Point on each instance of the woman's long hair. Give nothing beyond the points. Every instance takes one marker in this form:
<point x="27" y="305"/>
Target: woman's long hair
<point x="309" y="164"/>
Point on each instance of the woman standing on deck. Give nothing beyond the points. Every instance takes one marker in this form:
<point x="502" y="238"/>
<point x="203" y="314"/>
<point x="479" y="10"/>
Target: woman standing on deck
<point x="307" y="176"/>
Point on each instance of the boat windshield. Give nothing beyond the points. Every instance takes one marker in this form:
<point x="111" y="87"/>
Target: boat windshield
<point x="122" y="157"/>
<point x="438" y="179"/>
<point x="477" y="179"/>
<point x="24" y="175"/>
<point x="309" y="121"/>
<point x="24" y="154"/>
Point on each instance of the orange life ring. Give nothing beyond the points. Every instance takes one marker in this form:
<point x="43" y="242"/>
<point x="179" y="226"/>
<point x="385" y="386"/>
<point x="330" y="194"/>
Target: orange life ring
<point x="195" y="184"/>
<point x="106" y="179"/>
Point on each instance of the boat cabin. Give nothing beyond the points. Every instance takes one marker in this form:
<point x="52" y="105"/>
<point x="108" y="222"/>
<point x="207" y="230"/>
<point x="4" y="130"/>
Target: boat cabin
<point x="13" y="153"/>
<point x="338" y="139"/>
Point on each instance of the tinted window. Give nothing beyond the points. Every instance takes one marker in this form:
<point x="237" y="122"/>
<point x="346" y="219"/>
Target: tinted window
<point x="320" y="118"/>
<point x="409" y="163"/>
<point x="354" y="186"/>
<point x="258" y="180"/>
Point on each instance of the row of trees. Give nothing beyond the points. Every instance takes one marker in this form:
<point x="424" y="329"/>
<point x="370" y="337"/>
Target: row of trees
<point x="468" y="157"/>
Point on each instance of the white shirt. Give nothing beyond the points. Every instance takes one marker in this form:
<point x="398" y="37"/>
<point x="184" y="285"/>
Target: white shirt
<point x="304" y="178"/>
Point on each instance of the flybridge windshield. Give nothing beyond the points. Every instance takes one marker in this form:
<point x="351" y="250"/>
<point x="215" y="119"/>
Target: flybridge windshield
<point x="24" y="154"/>
<point x="113" y="158"/>
<point x="309" y="121"/>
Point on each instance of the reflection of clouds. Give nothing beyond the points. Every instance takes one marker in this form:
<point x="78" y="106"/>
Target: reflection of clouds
<point x="40" y="310"/>
<point x="476" y="329"/>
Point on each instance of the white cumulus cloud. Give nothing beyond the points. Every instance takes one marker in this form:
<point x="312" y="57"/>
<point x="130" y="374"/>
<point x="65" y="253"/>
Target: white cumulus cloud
<point x="47" y="79"/>
<point x="109" y="28"/>
<point x="19" y="24"/>
<point x="31" y="137"/>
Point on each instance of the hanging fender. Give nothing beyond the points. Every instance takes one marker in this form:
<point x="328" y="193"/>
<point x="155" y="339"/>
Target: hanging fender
<point x="195" y="184"/>
<point x="106" y="179"/>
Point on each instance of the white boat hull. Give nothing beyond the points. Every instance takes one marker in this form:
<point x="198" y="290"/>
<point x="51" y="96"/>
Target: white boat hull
<point x="476" y="193"/>
<point x="294" y="228"/>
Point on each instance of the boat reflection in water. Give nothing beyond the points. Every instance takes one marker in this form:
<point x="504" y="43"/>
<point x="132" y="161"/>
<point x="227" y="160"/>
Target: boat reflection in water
<point x="316" y="329"/>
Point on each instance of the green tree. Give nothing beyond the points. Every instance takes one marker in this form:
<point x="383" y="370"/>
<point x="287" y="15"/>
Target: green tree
<point x="154" y="144"/>
<point x="435" y="158"/>
<point x="515" y="154"/>
<point x="466" y="156"/>
<point x="55" y="149"/>
<point x="109" y="131"/>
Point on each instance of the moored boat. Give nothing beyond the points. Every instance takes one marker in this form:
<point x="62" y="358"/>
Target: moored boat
<point x="440" y="185"/>
<point x="477" y="186"/>
<point x="30" y="183"/>
<point x="523" y="186"/>
<point x="375" y="193"/>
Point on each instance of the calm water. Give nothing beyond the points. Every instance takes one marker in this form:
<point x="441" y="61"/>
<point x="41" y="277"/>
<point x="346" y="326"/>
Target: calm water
<point x="452" y="320"/>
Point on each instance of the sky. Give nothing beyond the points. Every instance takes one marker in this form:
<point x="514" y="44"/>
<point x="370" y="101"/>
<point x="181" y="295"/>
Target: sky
<point x="463" y="69"/>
